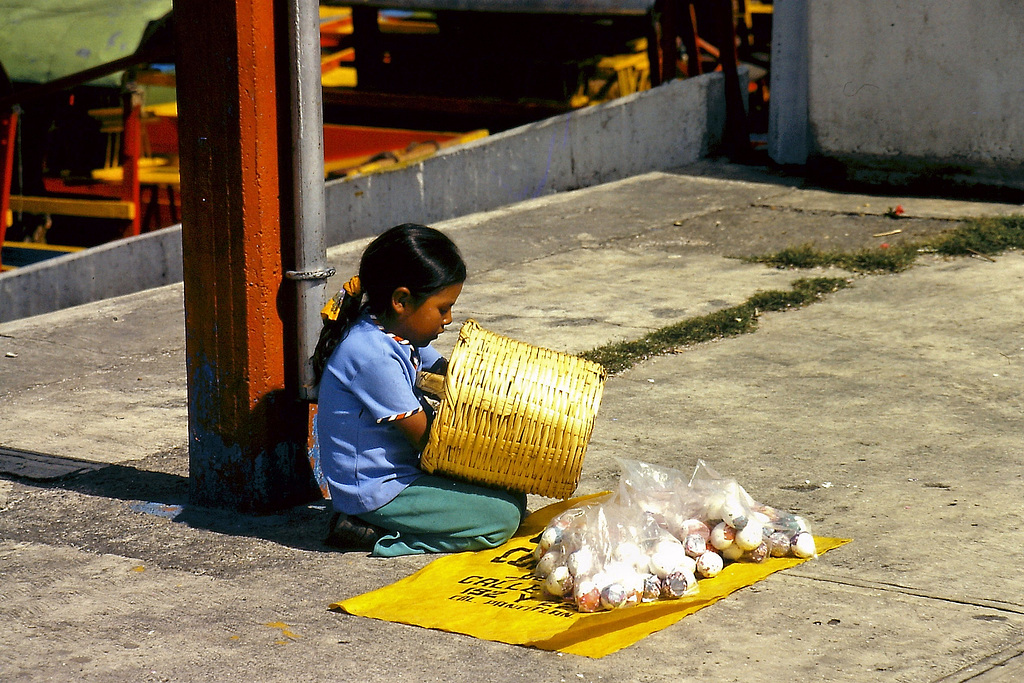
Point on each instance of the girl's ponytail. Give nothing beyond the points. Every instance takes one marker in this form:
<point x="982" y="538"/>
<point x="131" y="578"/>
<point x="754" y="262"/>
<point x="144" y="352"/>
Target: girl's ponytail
<point x="339" y="313"/>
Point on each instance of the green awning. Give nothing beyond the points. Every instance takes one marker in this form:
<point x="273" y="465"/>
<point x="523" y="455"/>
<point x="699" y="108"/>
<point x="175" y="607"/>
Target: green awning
<point x="41" y="40"/>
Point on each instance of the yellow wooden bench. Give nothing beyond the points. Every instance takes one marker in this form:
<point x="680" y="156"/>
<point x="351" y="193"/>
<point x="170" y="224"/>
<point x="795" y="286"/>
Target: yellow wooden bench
<point x="86" y="208"/>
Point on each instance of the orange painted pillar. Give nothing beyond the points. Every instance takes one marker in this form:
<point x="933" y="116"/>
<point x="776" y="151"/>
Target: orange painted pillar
<point x="247" y="430"/>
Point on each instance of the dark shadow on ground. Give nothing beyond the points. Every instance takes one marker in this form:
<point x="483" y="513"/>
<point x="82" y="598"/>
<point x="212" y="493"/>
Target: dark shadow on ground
<point x="158" y="486"/>
<point x="854" y="176"/>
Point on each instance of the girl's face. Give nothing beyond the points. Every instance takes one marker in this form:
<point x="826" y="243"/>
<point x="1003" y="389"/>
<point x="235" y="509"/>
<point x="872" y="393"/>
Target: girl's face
<point x="422" y="324"/>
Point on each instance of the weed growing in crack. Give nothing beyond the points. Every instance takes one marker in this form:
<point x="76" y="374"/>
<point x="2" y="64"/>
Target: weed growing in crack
<point x="727" y="322"/>
<point x="976" y="236"/>
<point x="891" y="259"/>
<point x="981" y="236"/>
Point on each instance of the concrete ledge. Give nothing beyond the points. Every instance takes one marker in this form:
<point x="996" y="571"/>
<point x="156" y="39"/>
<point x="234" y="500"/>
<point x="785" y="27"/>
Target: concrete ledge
<point x="666" y="127"/>
<point x="112" y="269"/>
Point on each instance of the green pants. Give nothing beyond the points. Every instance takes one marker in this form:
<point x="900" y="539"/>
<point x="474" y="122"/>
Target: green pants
<point x="437" y="515"/>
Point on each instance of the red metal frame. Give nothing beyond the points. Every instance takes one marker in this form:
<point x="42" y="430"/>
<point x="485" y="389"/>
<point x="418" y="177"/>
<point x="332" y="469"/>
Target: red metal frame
<point x="678" y="19"/>
<point x="131" y="152"/>
<point x="8" y="127"/>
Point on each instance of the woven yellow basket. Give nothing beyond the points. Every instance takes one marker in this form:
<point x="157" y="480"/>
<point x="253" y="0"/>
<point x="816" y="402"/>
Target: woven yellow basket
<point x="514" y="415"/>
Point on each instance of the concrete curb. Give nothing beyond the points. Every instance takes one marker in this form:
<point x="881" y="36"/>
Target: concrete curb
<point x="112" y="269"/>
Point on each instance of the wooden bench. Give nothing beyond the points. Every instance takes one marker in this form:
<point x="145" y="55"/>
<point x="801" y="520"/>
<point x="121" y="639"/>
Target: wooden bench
<point x="114" y="209"/>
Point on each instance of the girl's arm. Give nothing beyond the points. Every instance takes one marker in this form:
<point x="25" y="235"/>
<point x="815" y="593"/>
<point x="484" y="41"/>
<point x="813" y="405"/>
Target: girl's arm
<point x="415" y="429"/>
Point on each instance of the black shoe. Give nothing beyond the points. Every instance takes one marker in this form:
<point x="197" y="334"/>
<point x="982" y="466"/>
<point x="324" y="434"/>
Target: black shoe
<point x="351" y="533"/>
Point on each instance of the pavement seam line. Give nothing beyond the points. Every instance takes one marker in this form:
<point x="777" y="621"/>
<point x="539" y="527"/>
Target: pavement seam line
<point x="858" y="214"/>
<point x="915" y="592"/>
<point x="984" y="665"/>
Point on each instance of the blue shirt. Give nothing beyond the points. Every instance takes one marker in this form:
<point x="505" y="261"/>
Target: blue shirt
<point x="368" y="384"/>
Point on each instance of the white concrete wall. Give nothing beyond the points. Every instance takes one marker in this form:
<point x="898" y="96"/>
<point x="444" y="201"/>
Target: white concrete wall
<point x="930" y="88"/>
<point x="669" y="126"/>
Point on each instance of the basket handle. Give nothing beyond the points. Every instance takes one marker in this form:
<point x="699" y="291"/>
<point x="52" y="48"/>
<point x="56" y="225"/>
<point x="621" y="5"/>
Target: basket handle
<point x="430" y="383"/>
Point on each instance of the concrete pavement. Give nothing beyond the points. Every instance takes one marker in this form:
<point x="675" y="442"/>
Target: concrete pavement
<point x="890" y="413"/>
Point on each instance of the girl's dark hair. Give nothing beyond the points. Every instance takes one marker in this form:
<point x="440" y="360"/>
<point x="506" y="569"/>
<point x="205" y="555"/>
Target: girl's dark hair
<point x="417" y="257"/>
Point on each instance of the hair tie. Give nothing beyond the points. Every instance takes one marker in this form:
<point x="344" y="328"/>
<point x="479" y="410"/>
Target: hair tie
<point x="354" y="287"/>
<point x="332" y="310"/>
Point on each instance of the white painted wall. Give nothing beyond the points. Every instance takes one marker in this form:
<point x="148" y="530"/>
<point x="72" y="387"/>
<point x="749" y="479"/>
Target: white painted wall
<point x="926" y="87"/>
<point x="125" y="266"/>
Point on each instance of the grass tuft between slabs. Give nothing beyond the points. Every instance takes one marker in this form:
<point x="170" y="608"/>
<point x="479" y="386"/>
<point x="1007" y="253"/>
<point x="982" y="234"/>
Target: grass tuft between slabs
<point x="892" y="259"/>
<point x="727" y="322"/>
<point x="974" y="237"/>
<point x="981" y="237"/>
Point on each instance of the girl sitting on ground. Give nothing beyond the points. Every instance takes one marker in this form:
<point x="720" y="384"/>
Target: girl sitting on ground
<point x="373" y="423"/>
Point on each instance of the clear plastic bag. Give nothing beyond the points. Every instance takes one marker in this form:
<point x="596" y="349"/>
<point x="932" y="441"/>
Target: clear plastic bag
<point x="658" y="534"/>
<point x="736" y="525"/>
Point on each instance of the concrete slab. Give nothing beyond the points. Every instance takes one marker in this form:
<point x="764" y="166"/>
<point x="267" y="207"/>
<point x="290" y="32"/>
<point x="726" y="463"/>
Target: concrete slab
<point x="41" y="466"/>
<point x="609" y="298"/>
<point x="102" y="382"/>
<point x="1001" y="667"/>
<point x="889" y="413"/>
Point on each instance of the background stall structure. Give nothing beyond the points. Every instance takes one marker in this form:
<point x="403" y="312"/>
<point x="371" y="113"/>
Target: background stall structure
<point x="94" y="141"/>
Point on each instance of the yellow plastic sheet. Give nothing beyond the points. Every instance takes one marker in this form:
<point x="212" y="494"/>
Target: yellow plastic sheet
<point x="492" y="595"/>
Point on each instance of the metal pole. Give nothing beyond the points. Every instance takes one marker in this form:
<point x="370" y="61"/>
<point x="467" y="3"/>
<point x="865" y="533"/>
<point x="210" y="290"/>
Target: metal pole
<point x="311" y="269"/>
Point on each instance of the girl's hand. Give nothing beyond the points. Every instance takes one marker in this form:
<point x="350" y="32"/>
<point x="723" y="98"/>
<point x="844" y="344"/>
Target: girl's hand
<point x="414" y="428"/>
